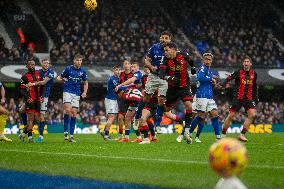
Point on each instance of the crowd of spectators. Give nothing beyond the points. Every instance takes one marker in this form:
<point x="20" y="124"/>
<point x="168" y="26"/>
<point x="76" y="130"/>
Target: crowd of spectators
<point x="94" y="112"/>
<point x="7" y="55"/>
<point x="115" y="31"/>
<point x="119" y="29"/>
<point x="231" y="29"/>
<point x="16" y="54"/>
<point x="126" y="29"/>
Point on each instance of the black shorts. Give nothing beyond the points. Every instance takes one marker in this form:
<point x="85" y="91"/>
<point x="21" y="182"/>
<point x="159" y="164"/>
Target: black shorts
<point x="174" y="94"/>
<point x="33" y="107"/>
<point x="122" y="106"/>
<point x="238" y="104"/>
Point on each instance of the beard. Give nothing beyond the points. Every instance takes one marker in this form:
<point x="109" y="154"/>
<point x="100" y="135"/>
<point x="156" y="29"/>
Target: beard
<point x="31" y="70"/>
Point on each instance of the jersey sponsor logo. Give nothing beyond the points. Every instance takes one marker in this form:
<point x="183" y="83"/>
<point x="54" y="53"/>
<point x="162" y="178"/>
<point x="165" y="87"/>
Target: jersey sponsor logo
<point x="246" y="81"/>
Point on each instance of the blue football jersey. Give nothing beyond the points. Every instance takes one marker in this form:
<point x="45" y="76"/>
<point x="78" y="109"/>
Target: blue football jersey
<point x="48" y="74"/>
<point x="74" y="78"/>
<point x="138" y="76"/>
<point x="204" y="83"/>
<point x="156" y="53"/>
<point x="111" y="84"/>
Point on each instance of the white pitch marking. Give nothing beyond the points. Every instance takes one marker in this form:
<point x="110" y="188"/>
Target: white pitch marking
<point x="135" y="158"/>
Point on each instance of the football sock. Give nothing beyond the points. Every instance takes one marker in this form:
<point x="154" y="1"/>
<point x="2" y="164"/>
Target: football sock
<point x="151" y="129"/>
<point x="244" y="130"/>
<point x="120" y="131"/>
<point x="72" y="125"/>
<point x="127" y="132"/>
<point x="216" y="126"/>
<point x="137" y="132"/>
<point x="199" y="130"/>
<point x="41" y="128"/>
<point x="24" y="118"/>
<point x="183" y="130"/>
<point x="66" y="122"/>
<point x="144" y="130"/>
<point x="196" y="121"/>
<point x="140" y="107"/>
<point x="224" y="130"/>
<point x="30" y="134"/>
<point x="188" y="118"/>
<point x="159" y="115"/>
<point x="25" y="130"/>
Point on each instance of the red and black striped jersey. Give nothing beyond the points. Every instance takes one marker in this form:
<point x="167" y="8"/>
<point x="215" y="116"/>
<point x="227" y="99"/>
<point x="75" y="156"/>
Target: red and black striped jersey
<point x="125" y="76"/>
<point x="177" y="68"/>
<point x="245" y="84"/>
<point x="144" y="80"/>
<point x="35" y="92"/>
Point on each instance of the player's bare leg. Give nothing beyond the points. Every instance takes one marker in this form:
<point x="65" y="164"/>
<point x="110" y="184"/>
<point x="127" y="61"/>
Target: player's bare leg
<point x="121" y="118"/>
<point x="3" y="119"/>
<point x="128" y="118"/>
<point x="228" y="122"/>
<point x="251" y="113"/>
<point x="143" y="126"/>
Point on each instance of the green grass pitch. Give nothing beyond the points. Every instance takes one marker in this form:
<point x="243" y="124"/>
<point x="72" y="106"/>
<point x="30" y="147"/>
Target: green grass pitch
<point x="165" y="164"/>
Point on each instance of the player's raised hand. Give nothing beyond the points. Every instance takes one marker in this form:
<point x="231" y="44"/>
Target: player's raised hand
<point x="84" y="95"/>
<point x="154" y="68"/>
<point x="29" y="85"/>
<point x="214" y="81"/>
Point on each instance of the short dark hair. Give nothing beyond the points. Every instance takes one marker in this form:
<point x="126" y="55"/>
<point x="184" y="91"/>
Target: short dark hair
<point x="247" y="57"/>
<point x="45" y="59"/>
<point x="78" y="56"/>
<point x="29" y="60"/>
<point x="167" y="33"/>
<point x="171" y="45"/>
<point x="115" y="67"/>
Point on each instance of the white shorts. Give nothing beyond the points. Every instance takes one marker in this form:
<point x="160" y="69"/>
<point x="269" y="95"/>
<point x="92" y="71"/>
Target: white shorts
<point x="111" y="106"/>
<point x="205" y="105"/>
<point x="43" y="105"/>
<point x="154" y="83"/>
<point x="194" y="104"/>
<point x="72" y="99"/>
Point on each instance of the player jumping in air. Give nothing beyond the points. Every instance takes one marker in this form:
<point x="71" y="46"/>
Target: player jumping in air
<point x="33" y="96"/>
<point x="72" y="77"/>
<point x="174" y="69"/>
<point x="245" y="95"/>
<point x="152" y="61"/>
<point x="204" y="98"/>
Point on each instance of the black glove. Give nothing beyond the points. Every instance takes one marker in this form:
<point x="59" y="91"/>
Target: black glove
<point x="193" y="70"/>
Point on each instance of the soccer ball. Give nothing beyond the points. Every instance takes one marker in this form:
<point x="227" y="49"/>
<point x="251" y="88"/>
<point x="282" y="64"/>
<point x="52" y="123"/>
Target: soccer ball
<point x="90" y="5"/>
<point x="228" y="157"/>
